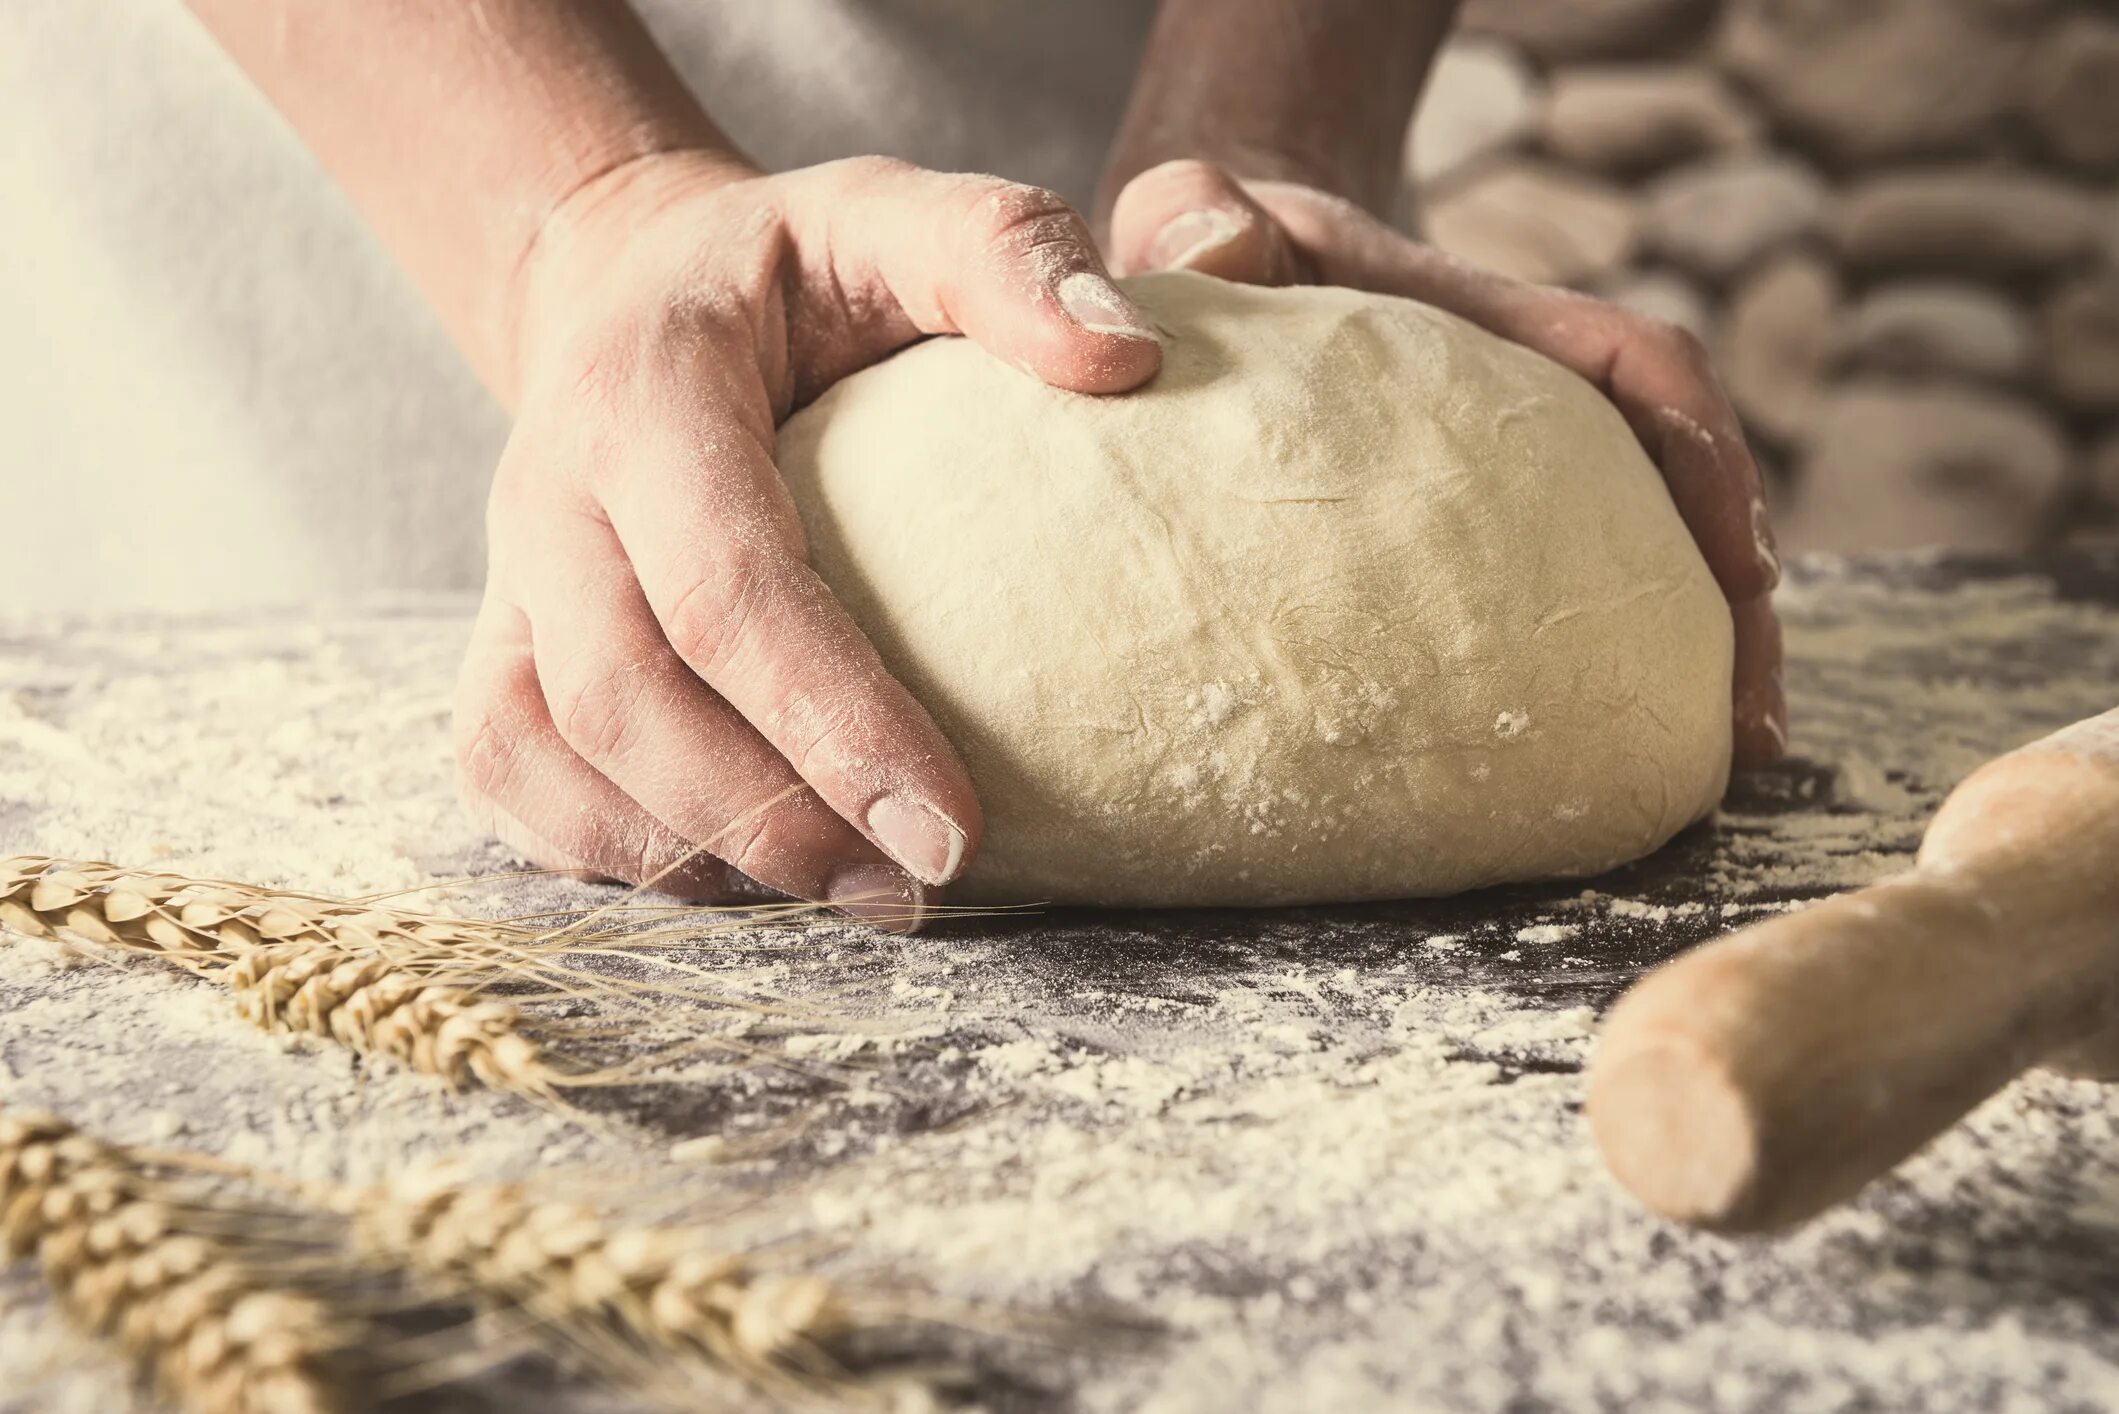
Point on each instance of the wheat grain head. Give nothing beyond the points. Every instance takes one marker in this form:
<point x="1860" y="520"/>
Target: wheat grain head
<point x="204" y="923"/>
<point x="415" y="987"/>
<point x="613" y="1292"/>
<point x="216" y="1335"/>
<point x="376" y="1005"/>
<point x="378" y="981"/>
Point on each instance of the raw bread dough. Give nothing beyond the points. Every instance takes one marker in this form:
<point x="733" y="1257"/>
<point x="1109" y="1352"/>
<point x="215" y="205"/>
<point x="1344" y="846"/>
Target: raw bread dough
<point x="1355" y="600"/>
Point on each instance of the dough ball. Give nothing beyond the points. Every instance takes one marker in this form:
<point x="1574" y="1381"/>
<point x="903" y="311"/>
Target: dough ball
<point x="1354" y="601"/>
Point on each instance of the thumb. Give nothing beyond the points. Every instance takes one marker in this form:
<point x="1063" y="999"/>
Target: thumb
<point x="1190" y="215"/>
<point x="1012" y="267"/>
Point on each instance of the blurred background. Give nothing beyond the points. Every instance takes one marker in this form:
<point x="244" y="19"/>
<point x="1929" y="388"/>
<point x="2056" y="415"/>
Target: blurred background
<point x="1895" y="223"/>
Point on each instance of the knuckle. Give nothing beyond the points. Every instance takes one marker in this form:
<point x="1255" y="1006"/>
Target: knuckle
<point x="774" y="844"/>
<point x="637" y="854"/>
<point x="486" y="753"/>
<point x="813" y="728"/>
<point x="814" y="192"/>
<point x="873" y="167"/>
<point x="596" y="709"/>
<point x="1674" y="343"/>
<point x="1009" y="220"/>
<point x="710" y="617"/>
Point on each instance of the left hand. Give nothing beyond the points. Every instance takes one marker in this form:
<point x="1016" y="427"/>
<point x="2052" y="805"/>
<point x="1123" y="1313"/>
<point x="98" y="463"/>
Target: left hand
<point x="1197" y="216"/>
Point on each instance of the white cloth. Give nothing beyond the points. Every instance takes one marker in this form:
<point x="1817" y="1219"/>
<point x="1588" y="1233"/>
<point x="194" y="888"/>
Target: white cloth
<point x="215" y="389"/>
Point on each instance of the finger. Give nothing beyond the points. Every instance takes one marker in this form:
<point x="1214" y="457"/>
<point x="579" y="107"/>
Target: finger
<point x="540" y="797"/>
<point x="1013" y="268"/>
<point x="1657" y="375"/>
<point x="1190" y="215"/>
<point x="717" y="550"/>
<point x="1760" y="707"/>
<point x="623" y="702"/>
<point x="517" y="775"/>
<point x="525" y="843"/>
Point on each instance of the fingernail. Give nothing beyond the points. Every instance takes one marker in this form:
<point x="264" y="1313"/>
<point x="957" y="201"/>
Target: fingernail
<point x="878" y="894"/>
<point x="1769" y="560"/>
<point x="1096" y="304"/>
<point x="1190" y="237"/>
<point x="1765" y="739"/>
<point x="1776" y="724"/>
<point x="930" y="847"/>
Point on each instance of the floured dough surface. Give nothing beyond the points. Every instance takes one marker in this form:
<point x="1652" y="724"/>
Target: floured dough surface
<point x="1354" y="601"/>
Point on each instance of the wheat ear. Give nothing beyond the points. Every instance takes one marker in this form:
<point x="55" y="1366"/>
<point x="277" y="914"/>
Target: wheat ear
<point x="203" y="924"/>
<point x="665" y="1298"/>
<point x="372" y="1005"/>
<point x="379" y="981"/>
<point x="416" y="987"/>
<point x="216" y="1335"/>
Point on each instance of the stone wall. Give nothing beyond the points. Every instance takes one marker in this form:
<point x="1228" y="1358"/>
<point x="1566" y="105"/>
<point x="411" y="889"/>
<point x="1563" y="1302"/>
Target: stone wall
<point x="1895" y="222"/>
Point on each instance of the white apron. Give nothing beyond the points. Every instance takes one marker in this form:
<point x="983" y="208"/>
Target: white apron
<point x="215" y="389"/>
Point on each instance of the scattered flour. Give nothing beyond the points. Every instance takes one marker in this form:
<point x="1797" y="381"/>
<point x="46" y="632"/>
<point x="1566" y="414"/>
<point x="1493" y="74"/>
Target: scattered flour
<point x="1338" y="1153"/>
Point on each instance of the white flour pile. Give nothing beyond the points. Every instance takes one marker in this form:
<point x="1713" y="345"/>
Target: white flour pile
<point x="1336" y="1152"/>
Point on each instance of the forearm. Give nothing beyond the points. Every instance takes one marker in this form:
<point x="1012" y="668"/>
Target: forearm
<point x="458" y="129"/>
<point x="1313" y="91"/>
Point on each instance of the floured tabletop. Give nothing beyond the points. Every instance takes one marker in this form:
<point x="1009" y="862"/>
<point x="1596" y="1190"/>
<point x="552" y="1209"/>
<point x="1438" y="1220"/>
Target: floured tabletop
<point x="1319" y="1159"/>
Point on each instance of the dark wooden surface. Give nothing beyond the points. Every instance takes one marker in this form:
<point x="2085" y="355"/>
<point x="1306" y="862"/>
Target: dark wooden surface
<point x="1335" y="1153"/>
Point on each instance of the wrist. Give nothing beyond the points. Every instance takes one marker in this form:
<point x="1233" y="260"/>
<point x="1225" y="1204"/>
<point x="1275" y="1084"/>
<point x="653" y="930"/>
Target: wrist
<point x="1316" y="92"/>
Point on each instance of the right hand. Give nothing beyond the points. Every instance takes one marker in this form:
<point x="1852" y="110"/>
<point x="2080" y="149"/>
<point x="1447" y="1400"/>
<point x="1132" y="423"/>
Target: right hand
<point x="1197" y="216"/>
<point x="659" y="688"/>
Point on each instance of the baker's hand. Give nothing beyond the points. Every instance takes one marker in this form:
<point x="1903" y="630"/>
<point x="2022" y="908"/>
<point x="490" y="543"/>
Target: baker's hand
<point x="656" y="670"/>
<point x="1196" y="216"/>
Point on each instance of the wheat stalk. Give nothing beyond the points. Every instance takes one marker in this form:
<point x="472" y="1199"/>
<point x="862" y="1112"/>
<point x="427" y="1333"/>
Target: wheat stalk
<point x="666" y="1299"/>
<point x="216" y="1335"/>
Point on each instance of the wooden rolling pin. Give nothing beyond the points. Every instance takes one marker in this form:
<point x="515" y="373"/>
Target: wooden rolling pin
<point x="1760" y="1079"/>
